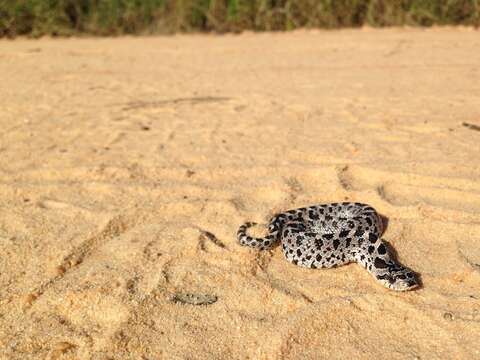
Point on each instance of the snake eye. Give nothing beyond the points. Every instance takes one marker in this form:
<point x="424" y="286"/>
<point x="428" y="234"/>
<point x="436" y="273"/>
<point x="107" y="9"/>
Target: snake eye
<point x="410" y="276"/>
<point x="411" y="283"/>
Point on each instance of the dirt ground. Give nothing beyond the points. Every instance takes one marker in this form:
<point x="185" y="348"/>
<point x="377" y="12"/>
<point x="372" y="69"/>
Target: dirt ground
<point x="127" y="165"/>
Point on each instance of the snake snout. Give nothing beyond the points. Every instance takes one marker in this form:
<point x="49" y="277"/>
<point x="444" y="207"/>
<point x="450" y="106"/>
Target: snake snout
<point x="405" y="280"/>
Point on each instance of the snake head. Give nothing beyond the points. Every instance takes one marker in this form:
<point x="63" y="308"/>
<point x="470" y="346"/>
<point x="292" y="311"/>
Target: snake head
<point x="399" y="279"/>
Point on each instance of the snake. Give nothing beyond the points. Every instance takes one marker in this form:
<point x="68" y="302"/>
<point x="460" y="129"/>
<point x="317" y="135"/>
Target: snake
<point x="334" y="234"/>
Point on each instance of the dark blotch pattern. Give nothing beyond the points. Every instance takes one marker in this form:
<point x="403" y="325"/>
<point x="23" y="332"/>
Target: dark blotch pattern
<point x="382" y="249"/>
<point x="372" y="237"/>
<point x="344" y="233"/>
<point x="336" y="242"/>
<point x="380" y="263"/>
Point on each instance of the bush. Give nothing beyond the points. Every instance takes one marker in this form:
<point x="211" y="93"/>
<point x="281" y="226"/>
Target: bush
<point x="114" y="17"/>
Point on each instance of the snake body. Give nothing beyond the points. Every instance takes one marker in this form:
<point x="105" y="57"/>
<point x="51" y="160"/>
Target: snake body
<point x="328" y="235"/>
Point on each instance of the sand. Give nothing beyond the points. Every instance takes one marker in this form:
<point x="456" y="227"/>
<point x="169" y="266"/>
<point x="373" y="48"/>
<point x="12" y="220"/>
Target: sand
<point x="127" y="165"/>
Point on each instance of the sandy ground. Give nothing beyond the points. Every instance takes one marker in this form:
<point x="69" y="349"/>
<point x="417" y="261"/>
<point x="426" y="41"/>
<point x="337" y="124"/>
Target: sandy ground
<point x="127" y="165"/>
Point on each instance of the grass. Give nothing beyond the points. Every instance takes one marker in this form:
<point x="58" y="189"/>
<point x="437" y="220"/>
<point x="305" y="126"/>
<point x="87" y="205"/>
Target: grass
<point x="115" y="17"/>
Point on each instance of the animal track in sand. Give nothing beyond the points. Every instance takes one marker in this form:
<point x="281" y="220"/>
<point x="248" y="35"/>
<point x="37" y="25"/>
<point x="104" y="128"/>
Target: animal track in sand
<point x="207" y="235"/>
<point x="408" y="189"/>
<point x="114" y="228"/>
<point x="471" y="126"/>
<point x="294" y="187"/>
<point x="179" y="101"/>
<point x="51" y="204"/>
<point x="400" y="194"/>
<point x="350" y="314"/>
<point x="469" y="252"/>
<point x="444" y="199"/>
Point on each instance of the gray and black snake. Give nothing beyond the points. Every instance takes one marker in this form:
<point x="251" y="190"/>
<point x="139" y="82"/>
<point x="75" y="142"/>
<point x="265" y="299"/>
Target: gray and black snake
<point x="328" y="235"/>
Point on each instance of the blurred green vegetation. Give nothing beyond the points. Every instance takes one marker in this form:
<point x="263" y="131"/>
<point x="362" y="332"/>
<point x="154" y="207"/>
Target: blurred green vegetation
<point x="114" y="17"/>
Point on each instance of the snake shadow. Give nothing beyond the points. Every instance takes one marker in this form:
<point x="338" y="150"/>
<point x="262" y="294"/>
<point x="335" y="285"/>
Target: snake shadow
<point x="394" y="254"/>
